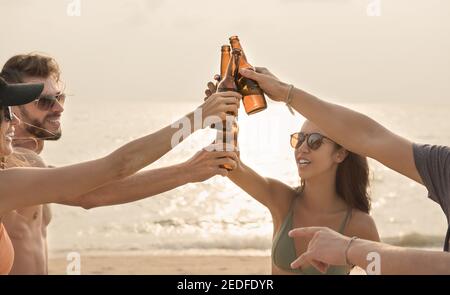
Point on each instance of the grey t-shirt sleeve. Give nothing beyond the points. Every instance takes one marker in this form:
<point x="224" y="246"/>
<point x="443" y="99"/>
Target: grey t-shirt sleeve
<point x="433" y="165"/>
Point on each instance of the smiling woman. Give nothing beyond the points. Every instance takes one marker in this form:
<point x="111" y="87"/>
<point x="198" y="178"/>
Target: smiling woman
<point x="10" y="95"/>
<point x="333" y="193"/>
<point x="7" y="130"/>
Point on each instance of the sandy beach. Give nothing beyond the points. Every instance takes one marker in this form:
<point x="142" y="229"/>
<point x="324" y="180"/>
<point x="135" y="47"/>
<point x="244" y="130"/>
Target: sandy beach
<point x="165" y="265"/>
<point x="138" y="264"/>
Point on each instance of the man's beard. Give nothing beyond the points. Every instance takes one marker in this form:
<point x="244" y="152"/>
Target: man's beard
<point x="37" y="132"/>
<point x="42" y="134"/>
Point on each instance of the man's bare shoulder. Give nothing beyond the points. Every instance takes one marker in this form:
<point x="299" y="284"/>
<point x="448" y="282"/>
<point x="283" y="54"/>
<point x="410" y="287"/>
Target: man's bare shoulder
<point x="28" y="158"/>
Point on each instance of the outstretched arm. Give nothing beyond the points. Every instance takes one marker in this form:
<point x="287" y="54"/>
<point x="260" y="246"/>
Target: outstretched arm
<point x="18" y="185"/>
<point x="270" y="192"/>
<point x="201" y="167"/>
<point x="355" y="131"/>
<point x="328" y="247"/>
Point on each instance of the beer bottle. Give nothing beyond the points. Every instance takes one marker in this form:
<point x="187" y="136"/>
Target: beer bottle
<point x="225" y="57"/>
<point x="253" y="97"/>
<point x="224" y="60"/>
<point x="229" y="133"/>
<point x="228" y="80"/>
<point x="228" y="137"/>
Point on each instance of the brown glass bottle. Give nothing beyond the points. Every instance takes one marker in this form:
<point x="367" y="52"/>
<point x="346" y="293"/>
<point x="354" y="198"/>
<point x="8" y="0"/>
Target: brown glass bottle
<point x="228" y="80"/>
<point x="253" y="97"/>
<point x="229" y="133"/>
<point x="224" y="60"/>
<point x="225" y="57"/>
<point x="229" y="138"/>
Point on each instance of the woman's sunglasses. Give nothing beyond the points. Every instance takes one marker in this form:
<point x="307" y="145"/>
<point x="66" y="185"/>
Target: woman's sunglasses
<point x="47" y="102"/>
<point x="313" y="140"/>
<point x="7" y="114"/>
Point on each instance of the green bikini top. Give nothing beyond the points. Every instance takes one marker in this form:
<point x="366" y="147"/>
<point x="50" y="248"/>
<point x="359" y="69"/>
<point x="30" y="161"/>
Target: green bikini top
<point x="284" y="253"/>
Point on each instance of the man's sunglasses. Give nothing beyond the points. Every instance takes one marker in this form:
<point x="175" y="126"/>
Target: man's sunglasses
<point x="47" y="102"/>
<point x="7" y="113"/>
<point x="313" y="140"/>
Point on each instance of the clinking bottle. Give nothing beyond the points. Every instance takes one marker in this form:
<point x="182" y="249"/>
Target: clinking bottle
<point x="228" y="135"/>
<point x="253" y="96"/>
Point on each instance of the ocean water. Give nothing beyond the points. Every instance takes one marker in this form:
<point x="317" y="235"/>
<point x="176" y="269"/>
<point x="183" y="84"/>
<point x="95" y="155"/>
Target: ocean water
<point x="216" y="216"/>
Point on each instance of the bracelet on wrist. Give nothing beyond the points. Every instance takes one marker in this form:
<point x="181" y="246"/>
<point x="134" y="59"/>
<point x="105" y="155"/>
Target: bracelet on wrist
<point x="289" y="99"/>
<point x="346" y="251"/>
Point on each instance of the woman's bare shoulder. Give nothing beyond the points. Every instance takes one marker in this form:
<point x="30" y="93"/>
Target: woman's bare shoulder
<point x="362" y="225"/>
<point x="283" y="195"/>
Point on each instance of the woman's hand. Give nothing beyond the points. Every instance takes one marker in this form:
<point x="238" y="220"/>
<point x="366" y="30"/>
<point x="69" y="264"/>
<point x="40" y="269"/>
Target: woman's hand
<point x="269" y="83"/>
<point x="209" y="162"/>
<point x="212" y="87"/>
<point x="220" y="105"/>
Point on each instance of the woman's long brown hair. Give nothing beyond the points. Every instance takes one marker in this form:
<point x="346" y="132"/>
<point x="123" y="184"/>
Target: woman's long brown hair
<point x="352" y="182"/>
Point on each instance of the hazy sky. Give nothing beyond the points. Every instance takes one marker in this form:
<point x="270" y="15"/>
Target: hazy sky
<point x="167" y="50"/>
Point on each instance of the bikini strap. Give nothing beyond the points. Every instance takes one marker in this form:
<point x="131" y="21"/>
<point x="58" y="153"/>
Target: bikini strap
<point x="347" y="218"/>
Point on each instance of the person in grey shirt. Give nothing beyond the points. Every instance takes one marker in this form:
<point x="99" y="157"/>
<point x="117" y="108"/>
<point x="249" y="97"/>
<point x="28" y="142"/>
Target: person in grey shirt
<point x="426" y="164"/>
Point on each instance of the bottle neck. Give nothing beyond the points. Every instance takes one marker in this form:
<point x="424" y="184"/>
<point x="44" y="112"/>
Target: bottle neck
<point x="243" y="63"/>
<point x="224" y="61"/>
